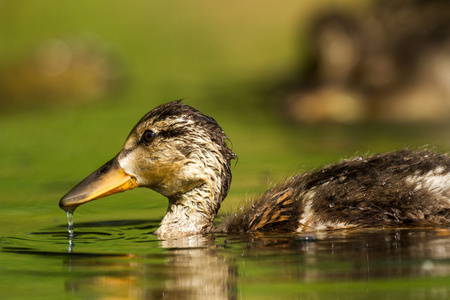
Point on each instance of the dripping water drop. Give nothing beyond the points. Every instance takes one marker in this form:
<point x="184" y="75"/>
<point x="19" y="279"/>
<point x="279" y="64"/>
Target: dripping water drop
<point x="70" y="222"/>
<point x="70" y="229"/>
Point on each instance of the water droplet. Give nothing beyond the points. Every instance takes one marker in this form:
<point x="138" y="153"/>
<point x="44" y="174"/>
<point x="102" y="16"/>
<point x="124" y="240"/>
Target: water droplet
<point x="331" y="205"/>
<point x="70" y="229"/>
<point x="70" y="222"/>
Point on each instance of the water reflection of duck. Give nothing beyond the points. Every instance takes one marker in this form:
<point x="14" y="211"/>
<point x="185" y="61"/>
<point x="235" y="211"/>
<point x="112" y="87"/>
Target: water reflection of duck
<point x="183" y="154"/>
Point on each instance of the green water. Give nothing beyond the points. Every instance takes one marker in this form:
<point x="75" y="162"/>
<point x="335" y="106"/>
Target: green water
<point x="121" y="260"/>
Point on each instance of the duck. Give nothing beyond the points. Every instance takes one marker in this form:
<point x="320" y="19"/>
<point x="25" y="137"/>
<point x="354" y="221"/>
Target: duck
<point x="185" y="155"/>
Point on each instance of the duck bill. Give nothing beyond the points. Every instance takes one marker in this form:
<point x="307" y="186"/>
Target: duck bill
<point x="107" y="180"/>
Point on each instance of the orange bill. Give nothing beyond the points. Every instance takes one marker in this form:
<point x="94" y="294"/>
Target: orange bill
<point x="107" y="180"/>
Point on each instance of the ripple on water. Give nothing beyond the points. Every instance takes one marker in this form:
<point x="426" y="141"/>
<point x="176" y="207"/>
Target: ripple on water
<point x="102" y="238"/>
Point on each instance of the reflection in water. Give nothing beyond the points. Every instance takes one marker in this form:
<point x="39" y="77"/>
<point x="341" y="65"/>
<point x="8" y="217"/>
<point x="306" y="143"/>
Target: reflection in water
<point x="197" y="272"/>
<point x="71" y="244"/>
<point x="371" y="254"/>
<point x="191" y="270"/>
<point x="122" y="260"/>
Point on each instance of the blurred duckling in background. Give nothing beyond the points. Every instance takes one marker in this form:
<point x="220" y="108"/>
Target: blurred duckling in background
<point x="388" y="64"/>
<point x="183" y="154"/>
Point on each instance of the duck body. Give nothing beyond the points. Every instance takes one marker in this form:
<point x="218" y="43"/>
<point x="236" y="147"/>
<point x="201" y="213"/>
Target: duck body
<point x="183" y="154"/>
<point x="393" y="189"/>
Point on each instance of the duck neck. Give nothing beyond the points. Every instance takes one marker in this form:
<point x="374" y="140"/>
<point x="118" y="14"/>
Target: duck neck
<point x="190" y="213"/>
<point x="207" y="179"/>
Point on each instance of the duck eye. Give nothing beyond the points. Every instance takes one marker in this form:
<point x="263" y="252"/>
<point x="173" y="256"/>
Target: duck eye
<point x="148" y="136"/>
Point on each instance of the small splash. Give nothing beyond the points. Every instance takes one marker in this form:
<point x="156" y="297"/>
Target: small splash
<point x="71" y="245"/>
<point x="305" y="238"/>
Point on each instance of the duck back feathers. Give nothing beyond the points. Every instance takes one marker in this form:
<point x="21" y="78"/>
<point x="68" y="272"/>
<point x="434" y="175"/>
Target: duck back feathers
<point x="398" y="188"/>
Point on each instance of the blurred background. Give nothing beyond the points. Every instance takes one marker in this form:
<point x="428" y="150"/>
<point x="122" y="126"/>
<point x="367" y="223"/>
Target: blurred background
<point x="295" y="85"/>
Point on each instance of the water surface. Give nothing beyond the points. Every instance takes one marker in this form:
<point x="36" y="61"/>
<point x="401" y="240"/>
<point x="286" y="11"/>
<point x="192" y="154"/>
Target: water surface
<point x="123" y="260"/>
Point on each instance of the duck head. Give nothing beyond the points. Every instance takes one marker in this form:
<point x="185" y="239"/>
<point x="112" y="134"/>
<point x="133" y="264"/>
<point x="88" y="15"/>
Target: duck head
<point x="176" y="151"/>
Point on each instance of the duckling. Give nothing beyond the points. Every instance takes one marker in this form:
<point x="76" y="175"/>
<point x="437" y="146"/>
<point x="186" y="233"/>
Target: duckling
<point x="183" y="154"/>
